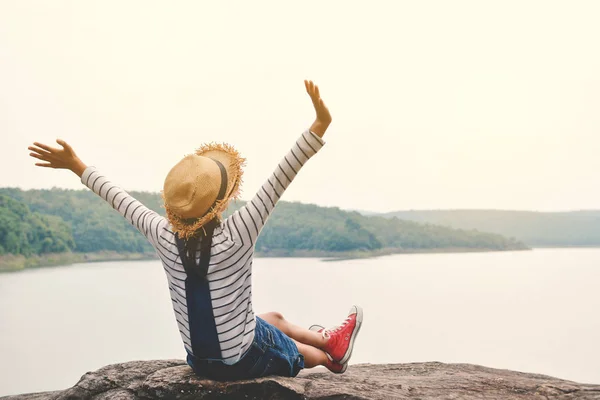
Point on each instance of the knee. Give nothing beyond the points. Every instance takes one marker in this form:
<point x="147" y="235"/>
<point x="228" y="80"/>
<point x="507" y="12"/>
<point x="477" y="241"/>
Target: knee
<point x="274" y="317"/>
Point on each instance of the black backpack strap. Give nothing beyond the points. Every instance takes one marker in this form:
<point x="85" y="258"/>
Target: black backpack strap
<point x="188" y="256"/>
<point x="188" y="265"/>
<point x="205" y="246"/>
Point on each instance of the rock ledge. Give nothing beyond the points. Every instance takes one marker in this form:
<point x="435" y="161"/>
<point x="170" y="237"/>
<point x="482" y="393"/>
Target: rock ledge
<point x="173" y="379"/>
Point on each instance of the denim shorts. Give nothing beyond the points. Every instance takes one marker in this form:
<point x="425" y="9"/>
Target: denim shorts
<point x="271" y="353"/>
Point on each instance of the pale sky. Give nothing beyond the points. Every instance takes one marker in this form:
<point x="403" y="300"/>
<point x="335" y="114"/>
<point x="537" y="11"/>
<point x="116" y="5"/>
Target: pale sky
<point x="436" y="104"/>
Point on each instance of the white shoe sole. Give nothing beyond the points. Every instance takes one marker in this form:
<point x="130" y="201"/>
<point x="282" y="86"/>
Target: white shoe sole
<point x="359" y="318"/>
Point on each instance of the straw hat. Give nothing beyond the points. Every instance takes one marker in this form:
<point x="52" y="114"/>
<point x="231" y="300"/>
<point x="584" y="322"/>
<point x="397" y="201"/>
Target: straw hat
<point x="199" y="187"/>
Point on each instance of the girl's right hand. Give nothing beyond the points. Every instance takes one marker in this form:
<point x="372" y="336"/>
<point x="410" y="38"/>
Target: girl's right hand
<point x="64" y="158"/>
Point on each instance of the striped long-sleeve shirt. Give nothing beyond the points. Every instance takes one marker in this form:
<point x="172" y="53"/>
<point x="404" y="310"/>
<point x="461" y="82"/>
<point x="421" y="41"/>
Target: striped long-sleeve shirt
<point x="230" y="269"/>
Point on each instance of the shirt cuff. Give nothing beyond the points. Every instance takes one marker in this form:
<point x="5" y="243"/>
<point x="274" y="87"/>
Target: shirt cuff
<point x="85" y="177"/>
<point x="320" y="139"/>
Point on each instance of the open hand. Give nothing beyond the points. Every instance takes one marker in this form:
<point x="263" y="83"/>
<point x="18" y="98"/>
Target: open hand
<point x="323" y="116"/>
<point x="64" y="158"/>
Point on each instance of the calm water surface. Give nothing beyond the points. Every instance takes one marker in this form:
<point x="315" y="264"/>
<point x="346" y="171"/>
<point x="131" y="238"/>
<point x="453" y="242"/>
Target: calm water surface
<point x="535" y="311"/>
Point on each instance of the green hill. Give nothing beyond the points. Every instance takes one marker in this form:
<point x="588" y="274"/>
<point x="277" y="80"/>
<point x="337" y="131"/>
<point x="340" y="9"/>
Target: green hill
<point x="79" y="222"/>
<point x="547" y="229"/>
<point x="27" y="233"/>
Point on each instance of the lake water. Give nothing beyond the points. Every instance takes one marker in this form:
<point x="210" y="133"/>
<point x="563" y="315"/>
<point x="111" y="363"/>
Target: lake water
<point x="533" y="311"/>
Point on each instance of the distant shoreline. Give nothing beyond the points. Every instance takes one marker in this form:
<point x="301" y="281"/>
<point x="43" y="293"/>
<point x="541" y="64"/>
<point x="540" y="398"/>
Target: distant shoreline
<point x="15" y="263"/>
<point x="351" y="255"/>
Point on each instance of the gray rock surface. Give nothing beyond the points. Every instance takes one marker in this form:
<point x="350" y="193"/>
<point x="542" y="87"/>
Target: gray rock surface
<point x="173" y="379"/>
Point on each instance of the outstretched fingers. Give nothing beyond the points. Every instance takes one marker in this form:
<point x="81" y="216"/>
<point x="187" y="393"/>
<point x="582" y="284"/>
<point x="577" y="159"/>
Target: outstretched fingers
<point x="311" y="87"/>
<point x="37" y="150"/>
<point x="60" y="158"/>
<point x="45" y="147"/>
<point x="313" y="92"/>
<point x="53" y="157"/>
<point x="39" y="156"/>
<point x="323" y="115"/>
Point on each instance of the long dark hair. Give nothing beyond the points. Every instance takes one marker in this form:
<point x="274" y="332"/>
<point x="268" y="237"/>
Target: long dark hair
<point x="188" y="247"/>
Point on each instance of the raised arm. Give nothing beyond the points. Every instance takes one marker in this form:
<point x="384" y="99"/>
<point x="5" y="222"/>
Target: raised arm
<point x="148" y="222"/>
<point x="247" y="223"/>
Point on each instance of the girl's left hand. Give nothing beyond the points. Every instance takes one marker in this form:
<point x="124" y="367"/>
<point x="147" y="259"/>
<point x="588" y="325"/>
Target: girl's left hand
<point x="323" y="118"/>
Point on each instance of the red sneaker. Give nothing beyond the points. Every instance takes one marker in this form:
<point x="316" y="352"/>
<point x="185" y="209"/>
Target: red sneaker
<point x="341" y="338"/>
<point x="334" y="367"/>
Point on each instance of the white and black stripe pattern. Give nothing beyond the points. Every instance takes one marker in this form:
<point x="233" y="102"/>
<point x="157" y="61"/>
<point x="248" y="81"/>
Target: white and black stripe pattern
<point x="230" y="270"/>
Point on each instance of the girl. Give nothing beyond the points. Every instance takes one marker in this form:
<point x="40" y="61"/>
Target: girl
<point x="208" y="261"/>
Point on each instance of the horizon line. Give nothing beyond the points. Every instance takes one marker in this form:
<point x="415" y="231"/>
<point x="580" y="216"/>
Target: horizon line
<point x="360" y="211"/>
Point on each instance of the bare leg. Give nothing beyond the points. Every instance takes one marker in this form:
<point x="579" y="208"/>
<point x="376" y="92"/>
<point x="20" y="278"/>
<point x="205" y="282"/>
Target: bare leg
<point x="296" y="332"/>
<point x="313" y="357"/>
<point x="309" y="343"/>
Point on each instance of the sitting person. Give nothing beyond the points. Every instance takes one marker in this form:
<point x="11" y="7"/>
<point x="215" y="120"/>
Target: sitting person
<point x="208" y="261"/>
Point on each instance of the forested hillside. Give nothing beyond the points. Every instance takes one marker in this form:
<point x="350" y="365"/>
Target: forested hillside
<point x="25" y="232"/>
<point x="58" y="220"/>
<point x="554" y="229"/>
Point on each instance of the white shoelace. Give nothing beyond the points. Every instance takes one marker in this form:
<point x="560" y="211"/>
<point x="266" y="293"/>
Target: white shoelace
<point x="327" y="332"/>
